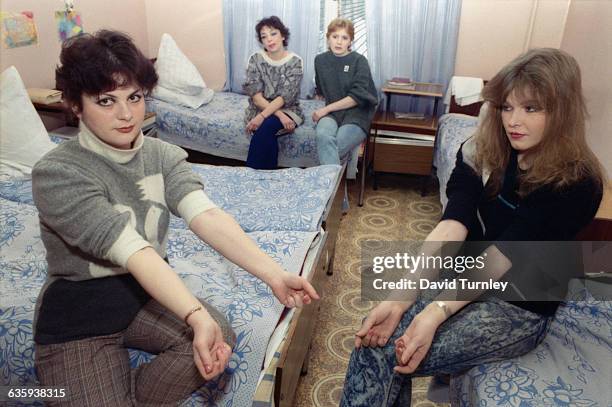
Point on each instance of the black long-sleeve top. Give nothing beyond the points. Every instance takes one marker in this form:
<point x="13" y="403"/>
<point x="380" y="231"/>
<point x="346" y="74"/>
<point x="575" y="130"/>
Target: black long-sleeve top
<point x="545" y="214"/>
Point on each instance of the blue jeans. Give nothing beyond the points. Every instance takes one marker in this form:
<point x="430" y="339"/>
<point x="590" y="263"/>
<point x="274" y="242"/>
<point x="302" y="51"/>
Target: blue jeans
<point x="335" y="143"/>
<point x="263" y="150"/>
<point x="481" y="332"/>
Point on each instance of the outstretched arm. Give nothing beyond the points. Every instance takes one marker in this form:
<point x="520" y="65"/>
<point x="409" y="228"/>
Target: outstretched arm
<point x="221" y="231"/>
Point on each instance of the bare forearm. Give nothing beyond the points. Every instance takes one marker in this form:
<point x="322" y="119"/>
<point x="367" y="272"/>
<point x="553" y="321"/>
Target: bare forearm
<point x="221" y="231"/>
<point x="161" y="282"/>
<point x="448" y="231"/>
<point x="445" y="231"/>
<point x="268" y="107"/>
<point x="342" y="104"/>
<point x="496" y="264"/>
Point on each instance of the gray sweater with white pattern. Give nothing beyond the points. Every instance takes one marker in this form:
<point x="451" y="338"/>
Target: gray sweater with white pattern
<point x="275" y="78"/>
<point x="98" y="206"/>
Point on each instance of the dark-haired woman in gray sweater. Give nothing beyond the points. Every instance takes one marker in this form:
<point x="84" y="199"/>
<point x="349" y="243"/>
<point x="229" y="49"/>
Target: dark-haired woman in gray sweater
<point x="343" y="78"/>
<point x="104" y="201"/>
<point x="273" y="83"/>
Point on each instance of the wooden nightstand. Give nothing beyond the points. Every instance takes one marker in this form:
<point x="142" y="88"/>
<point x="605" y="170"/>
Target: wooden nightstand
<point x="70" y="119"/>
<point x="149" y="128"/>
<point x="405" y="146"/>
<point x="148" y="125"/>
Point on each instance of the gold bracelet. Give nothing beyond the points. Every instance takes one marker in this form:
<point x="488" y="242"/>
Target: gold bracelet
<point x="193" y="310"/>
<point x="262" y="115"/>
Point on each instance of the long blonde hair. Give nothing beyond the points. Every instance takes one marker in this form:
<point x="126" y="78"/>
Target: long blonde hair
<point x="553" y="78"/>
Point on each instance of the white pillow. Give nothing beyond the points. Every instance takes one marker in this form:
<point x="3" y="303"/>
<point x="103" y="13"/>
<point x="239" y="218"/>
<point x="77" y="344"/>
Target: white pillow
<point x="23" y="137"/>
<point x="179" y="79"/>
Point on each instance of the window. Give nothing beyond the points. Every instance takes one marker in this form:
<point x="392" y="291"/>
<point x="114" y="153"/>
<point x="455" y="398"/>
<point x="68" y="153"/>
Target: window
<point x="353" y="10"/>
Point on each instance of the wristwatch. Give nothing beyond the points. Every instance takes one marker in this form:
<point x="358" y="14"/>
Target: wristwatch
<point x="442" y="305"/>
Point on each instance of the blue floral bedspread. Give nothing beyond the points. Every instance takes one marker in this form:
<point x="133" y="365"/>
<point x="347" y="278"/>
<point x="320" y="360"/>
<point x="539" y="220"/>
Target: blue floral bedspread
<point x="281" y="210"/>
<point x="570" y="368"/>
<point x="453" y="129"/>
<point x="217" y="128"/>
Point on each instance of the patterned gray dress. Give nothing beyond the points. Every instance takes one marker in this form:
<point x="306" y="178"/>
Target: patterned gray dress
<point x="273" y="79"/>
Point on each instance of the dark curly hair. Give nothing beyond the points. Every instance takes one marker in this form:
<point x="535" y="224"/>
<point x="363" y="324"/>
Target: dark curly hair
<point x="102" y="62"/>
<point x="272" y="22"/>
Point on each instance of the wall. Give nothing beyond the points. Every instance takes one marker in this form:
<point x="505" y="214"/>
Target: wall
<point x="588" y="37"/>
<point x="197" y="28"/>
<point x="36" y="63"/>
<point x="493" y="32"/>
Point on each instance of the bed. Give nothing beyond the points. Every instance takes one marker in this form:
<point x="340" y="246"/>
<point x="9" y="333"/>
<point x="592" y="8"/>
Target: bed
<point x="571" y="367"/>
<point x="217" y="129"/>
<point x="292" y="214"/>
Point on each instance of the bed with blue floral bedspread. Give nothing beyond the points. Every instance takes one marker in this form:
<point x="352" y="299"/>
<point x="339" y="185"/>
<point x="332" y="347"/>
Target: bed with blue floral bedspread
<point x="218" y="129"/>
<point x="453" y="129"/>
<point x="573" y="364"/>
<point x="571" y="367"/>
<point x="280" y="210"/>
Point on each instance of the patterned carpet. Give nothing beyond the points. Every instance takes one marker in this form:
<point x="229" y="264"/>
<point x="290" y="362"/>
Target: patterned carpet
<point x="396" y="211"/>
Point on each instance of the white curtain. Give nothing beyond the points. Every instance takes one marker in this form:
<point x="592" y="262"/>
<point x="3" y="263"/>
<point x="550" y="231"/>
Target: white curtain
<point x="240" y="17"/>
<point x="415" y="39"/>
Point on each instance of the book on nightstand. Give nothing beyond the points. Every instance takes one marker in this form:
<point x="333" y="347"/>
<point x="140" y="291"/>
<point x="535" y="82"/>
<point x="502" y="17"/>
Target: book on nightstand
<point x="409" y="115"/>
<point x="400" y="83"/>
<point x="45" y="96"/>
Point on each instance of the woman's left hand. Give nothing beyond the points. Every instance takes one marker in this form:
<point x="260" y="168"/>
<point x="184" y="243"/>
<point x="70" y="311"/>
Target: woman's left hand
<point x="287" y="122"/>
<point x="412" y="347"/>
<point x="254" y="123"/>
<point x="293" y="290"/>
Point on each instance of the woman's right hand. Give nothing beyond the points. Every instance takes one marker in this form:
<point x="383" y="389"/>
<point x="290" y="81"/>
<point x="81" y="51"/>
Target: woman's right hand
<point x="380" y="323"/>
<point x="319" y="114"/>
<point x="254" y="123"/>
<point x="210" y="352"/>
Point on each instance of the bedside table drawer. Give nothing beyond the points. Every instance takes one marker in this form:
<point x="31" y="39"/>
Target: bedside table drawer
<point x="403" y="156"/>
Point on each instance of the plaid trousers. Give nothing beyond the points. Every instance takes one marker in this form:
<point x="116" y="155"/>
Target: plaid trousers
<point x="96" y="371"/>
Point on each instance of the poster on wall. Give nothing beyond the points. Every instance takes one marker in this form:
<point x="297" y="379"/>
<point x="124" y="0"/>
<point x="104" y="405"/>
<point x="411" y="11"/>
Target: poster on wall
<point x="69" y="23"/>
<point x="18" y="29"/>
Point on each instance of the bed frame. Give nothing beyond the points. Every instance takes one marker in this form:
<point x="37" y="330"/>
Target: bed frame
<point x="294" y="351"/>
